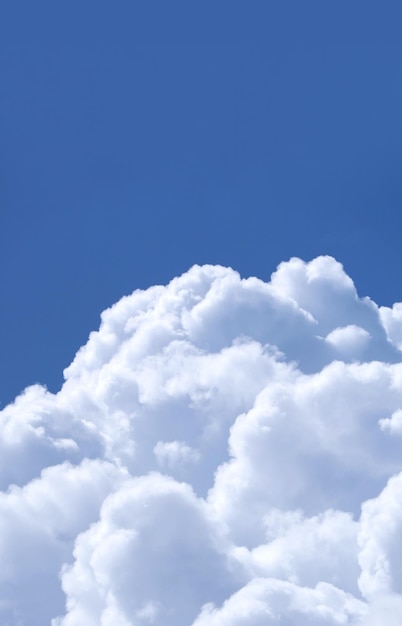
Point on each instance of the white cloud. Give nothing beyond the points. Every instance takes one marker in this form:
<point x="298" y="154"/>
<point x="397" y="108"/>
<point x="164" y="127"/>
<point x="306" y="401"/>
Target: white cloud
<point x="349" y="340"/>
<point x="273" y="410"/>
<point x="392" y="322"/>
<point x="171" y="453"/>
<point x="266" y="602"/>
<point x="38" y="526"/>
<point x="155" y="557"/>
<point x="380" y="537"/>
<point x="393" y="424"/>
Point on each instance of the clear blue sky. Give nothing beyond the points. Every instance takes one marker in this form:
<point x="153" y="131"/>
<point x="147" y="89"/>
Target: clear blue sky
<point x="135" y="144"/>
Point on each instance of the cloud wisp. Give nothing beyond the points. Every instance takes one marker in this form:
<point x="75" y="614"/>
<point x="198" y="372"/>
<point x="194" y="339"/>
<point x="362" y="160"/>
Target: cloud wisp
<point x="223" y="452"/>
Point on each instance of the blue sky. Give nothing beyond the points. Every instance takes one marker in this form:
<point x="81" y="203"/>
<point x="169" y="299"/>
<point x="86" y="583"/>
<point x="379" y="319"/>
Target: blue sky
<point x="135" y="145"/>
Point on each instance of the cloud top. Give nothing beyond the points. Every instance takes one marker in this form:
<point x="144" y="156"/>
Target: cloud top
<point x="223" y="451"/>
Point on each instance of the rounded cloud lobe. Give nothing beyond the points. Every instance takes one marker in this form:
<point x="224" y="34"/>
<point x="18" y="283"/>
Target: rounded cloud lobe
<point x="224" y="451"/>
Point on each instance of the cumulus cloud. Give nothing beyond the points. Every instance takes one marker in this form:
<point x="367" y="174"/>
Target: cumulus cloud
<point x="348" y="339"/>
<point x="266" y="602"/>
<point x="156" y="555"/>
<point x="223" y="451"/>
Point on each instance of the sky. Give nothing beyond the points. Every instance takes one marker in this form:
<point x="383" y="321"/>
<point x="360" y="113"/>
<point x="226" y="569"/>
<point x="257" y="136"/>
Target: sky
<point x="136" y="143"/>
<point x="201" y="321"/>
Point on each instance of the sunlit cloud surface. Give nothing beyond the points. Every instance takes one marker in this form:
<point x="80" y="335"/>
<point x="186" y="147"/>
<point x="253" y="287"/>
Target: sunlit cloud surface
<point x="223" y="452"/>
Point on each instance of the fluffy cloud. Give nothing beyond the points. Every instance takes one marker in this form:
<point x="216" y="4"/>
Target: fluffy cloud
<point x="266" y="602"/>
<point x="223" y="451"/>
<point x="155" y="557"/>
<point x="38" y="527"/>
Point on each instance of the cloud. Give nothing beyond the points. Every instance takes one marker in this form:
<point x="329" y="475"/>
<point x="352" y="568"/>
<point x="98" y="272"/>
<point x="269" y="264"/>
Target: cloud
<point x="38" y="527"/>
<point x="392" y="322"/>
<point x="265" y="602"/>
<point x="155" y="555"/>
<point x="223" y="451"/>
<point x="172" y="453"/>
<point x="349" y="339"/>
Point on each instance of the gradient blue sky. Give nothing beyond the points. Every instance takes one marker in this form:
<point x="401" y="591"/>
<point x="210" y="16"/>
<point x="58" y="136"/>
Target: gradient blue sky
<point x="134" y="144"/>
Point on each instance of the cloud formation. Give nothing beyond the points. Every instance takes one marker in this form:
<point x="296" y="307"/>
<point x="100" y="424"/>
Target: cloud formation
<point x="223" y="452"/>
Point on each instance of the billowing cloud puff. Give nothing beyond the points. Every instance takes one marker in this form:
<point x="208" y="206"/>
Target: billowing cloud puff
<point x="223" y="451"/>
<point x="39" y="524"/>
<point x="155" y="556"/>
<point x="267" y="601"/>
